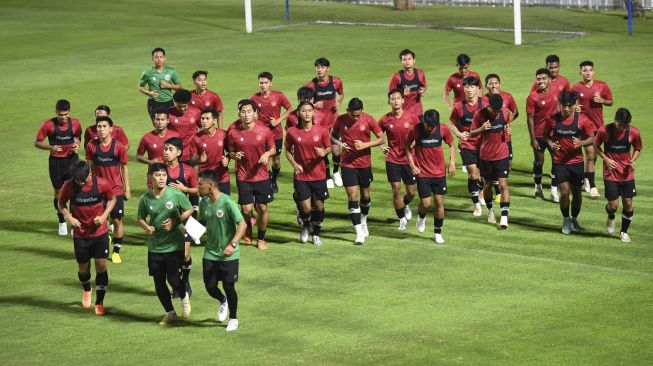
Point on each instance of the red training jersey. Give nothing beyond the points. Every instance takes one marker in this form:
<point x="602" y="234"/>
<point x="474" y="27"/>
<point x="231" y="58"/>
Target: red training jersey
<point x="117" y="133"/>
<point x="462" y="115"/>
<point x="182" y="173"/>
<point x="542" y="105"/>
<point x="397" y="130"/>
<point x="62" y="134"/>
<point x="87" y="203"/>
<point x="187" y="125"/>
<point x="591" y="109"/>
<point x="414" y="80"/>
<point x="253" y="143"/>
<point x="351" y="130"/>
<point x="493" y="142"/>
<point x="428" y="155"/>
<point x="152" y="143"/>
<point x="107" y="160"/>
<point x="563" y="132"/>
<point x="270" y="107"/>
<point x="302" y="144"/>
<point x="617" y="146"/>
<point x="455" y="83"/>
<point x="325" y="91"/>
<point x="508" y="102"/>
<point x="209" y="99"/>
<point x="214" y="147"/>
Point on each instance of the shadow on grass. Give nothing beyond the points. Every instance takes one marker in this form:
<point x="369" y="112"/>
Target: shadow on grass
<point x="66" y="253"/>
<point x="29" y="225"/>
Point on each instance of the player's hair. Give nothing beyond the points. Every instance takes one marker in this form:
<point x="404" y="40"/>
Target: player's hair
<point x="405" y="52"/>
<point x="79" y="171"/>
<point x="322" y="61"/>
<point x="567" y="98"/>
<point x="496" y="102"/>
<point x="301" y="104"/>
<point x="176" y="142"/>
<point x="210" y="176"/>
<point x="161" y="110"/>
<point x="586" y="63"/>
<point x="396" y="90"/>
<point x="543" y="70"/>
<point x="355" y="104"/>
<point x="431" y="117"/>
<point x="305" y="93"/>
<point x="463" y="59"/>
<point x="266" y="75"/>
<point x="156" y="167"/>
<point x="103" y="118"/>
<point x="199" y="73"/>
<point x="471" y="80"/>
<point x="182" y="96"/>
<point x="62" y="105"/>
<point x="213" y="112"/>
<point x="103" y="107"/>
<point x="244" y="102"/>
<point x="490" y="76"/>
<point x="551" y="59"/>
<point x="623" y="115"/>
<point x="158" y="49"/>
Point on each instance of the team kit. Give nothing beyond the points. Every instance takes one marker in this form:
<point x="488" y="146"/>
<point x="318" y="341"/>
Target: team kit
<point x="189" y="151"/>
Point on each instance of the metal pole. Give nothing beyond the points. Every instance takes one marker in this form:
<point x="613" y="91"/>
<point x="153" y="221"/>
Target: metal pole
<point x="248" y="16"/>
<point x="287" y="12"/>
<point x="630" y="17"/>
<point x="517" y="19"/>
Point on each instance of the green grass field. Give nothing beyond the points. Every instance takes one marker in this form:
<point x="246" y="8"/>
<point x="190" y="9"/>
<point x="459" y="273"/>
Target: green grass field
<point x="527" y="295"/>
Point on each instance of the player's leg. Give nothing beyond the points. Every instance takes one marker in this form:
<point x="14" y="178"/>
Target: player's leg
<point x="612" y="195"/>
<point x="424" y="191"/>
<point x="317" y="216"/>
<point x="211" y="275"/>
<point x="157" y="269"/>
<point x="393" y="173"/>
<point x="538" y="163"/>
<point x="174" y="271"/>
<point x="505" y="201"/>
<point x="626" y="218"/>
<point x="186" y="266"/>
<point x="116" y="216"/>
<point x="351" y="188"/>
<point x="305" y="209"/>
<point x="262" y="224"/>
<point x="564" y="189"/>
<point x="473" y="176"/>
<point x="275" y="163"/>
<point x="337" y="177"/>
<point x="83" y="257"/>
<point x="590" y="167"/>
<point x="438" y="217"/>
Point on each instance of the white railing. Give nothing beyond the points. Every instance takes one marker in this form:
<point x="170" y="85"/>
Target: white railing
<point x="587" y="4"/>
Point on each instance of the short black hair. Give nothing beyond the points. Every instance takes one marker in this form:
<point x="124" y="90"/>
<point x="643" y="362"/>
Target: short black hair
<point x="244" y="102"/>
<point x="79" y="171"/>
<point x="266" y="75"/>
<point x="156" y="167"/>
<point x="551" y="59"/>
<point x="158" y="49"/>
<point x="176" y="142"/>
<point x="182" y="96"/>
<point x="210" y="176"/>
<point x="496" y="102"/>
<point x="103" y="107"/>
<point x="490" y="76"/>
<point x="586" y="63"/>
<point x="431" y="117"/>
<point x="305" y="93"/>
<point x="355" y="104"/>
<point x="103" y="118"/>
<point x="198" y="73"/>
<point x="161" y="110"/>
<point x="396" y="90"/>
<point x="463" y="59"/>
<point x="623" y="115"/>
<point x="211" y="110"/>
<point x="406" y="51"/>
<point x="322" y="61"/>
<point x="543" y="70"/>
<point x="62" y="105"/>
<point x="471" y="80"/>
<point x="567" y="98"/>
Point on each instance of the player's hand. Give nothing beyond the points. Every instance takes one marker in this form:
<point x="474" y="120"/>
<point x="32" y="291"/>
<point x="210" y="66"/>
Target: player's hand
<point x="335" y="108"/>
<point x="576" y="141"/>
<point x="465" y="135"/>
<point x="203" y="157"/>
<point x="598" y="99"/>
<point x="415" y="169"/>
<point x="55" y="148"/>
<point x="611" y="163"/>
<point x="168" y="224"/>
<point x="240" y="155"/>
<point x="99" y="220"/>
<point x="487" y="125"/>
<point x="578" y="108"/>
<point x="319" y="104"/>
<point x="74" y="222"/>
<point x="406" y="90"/>
<point x="274" y="122"/>
<point x="422" y="91"/>
<point x="179" y="186"/>
<point x="128" y="194"/>
<point x="321" y="152"/>
<point x="631" y="163"/>
<point x="75" y="148"/>
<point x="225" y="161"/>
<point x="359" y="145"/>
<point x="228" y="251"/>
<point x="264" y="159"/>
<point x="344" y="146"/>
<point x="165" y="85"/>
<point x="150" y="230"/>
<point x="452" y="169"/>
<point x="556" y="146"/>
<point x="298" y="169"/>
<point x="508" y="130"/>
<point x="534" y="144"/>
<point x="385" y="149"/>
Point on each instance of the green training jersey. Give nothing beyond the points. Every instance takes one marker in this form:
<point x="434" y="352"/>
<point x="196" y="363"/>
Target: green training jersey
<point x="221" y="218"/>
<point x="168" y="205"/>
<point x="152" y="78"/>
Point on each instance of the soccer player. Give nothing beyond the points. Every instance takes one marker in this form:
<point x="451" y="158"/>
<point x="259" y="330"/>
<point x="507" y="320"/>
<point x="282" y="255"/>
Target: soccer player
<point x="203" y="98"/>
<point x="540" y="105"/>
<point x="251" y="144"/>
<point x="208" y="149"/>
<point x="397" y="124"/>
<point x="455" y="81"/>
<point x="182" y="177"/>
<point x="427" y="163"/>
<point x="618" y="139"/>
<point x="160" y="80"/>
<point x="491" y="123"/>
<point x="184" y="120"/>
<point x="63" y="133"/>
<point x="411" y="81"/>
<point x="108" y="159"/>
<point x="116" y="131"/>
<point x="166" y="208"/>
<point x="328" y="96"/>
<point x="559" y="83"/>
<point x="592" y="96"/>
<point x="566" y="132"/>
<point x="87" y="216"/>
<point x="351" y="141"/>
<point x="305" y="94"/>
<point x="306" y="146"/>
<point x="153" y="141"/>
<point x="461" y="122"/>
<point x="225" y="226"/>
<point x="269" y="103"/>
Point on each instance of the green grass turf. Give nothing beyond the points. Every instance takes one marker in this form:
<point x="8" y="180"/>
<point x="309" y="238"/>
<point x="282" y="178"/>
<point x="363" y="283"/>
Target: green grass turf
<point x="523" y="296"/>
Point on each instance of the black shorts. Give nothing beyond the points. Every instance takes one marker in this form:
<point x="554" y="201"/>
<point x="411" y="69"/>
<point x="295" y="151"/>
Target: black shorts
<point x="399" y="173"/>
<point x="153" y="106"/>
<point x="226" y="271"/>
<point x="315" y="190"/>
<point x="614" y="190"/>
<point x="168" y="264"/>
<point x="493" y="170"/>
<point x="509" y="143"/>
<point x="225" y="188"/>
<point x="60" y="169"/>
<point x="426" y="187"/>
<point x="469" y="156"/>
<point x="572" y="173"/>
<point x="85" y="248"/>
<point x="118" y="211"/>
<point x="260" y="191"/>
<point x="278" y="145"/>
<point x="542" y="145"/>
<point x="362" y="177"/>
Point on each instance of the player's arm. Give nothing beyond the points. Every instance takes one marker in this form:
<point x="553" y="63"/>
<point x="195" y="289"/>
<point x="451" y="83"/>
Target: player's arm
<point x="124" y="172"/>
<point x="62" y="200"/>
<point x="111" y="203"/>
<point x="39" y="144"/>
<point x="175" y="83"/>
<point x="445" y="96"/>
<point x="409" y="156"/>
<point x="481" y="126"/>
<point x="150" y="93"/>
<point x="530" y="121"/>
<point x="452" y="159"/>
<point x="291" y="159"/>
<point x="142" y="159"/>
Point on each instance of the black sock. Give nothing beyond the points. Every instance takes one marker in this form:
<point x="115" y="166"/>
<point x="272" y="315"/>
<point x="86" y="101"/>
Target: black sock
<point x="497" y="189"/>
<point x="488" y="204"/>
<point x="260" y="235"/>
<point x="626" y="218"/>
<point x="565" y="212"/>
<point x="232" y="298"/>
<point x="537" y="172"/>
<point x="327" y="166"/>
<point x="59" y="214"/>
<point x="401" y="212"/>
<point x="117" y="244"/>
<point x="472" y="188"/>
<point x="101" y="284"/>
<point x="422" y="215"/>
<point x="591" y="178"/>
<point x="505" y="207"/>
<point x="185" y="272"/>
<point x="306" y="217"/>
<point x="336" y="163"/>
<point x="85" y="280"/>
<point x="610" y="212"/>
<point x="317" y="217"/>
<point x="275" y="173"/>
<point x="354" y="212"/>
<point x="365" y="205"/>
<point x="407" y="199"/>
<point x="437" y="224"/>
<point x="575" y="211"/>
